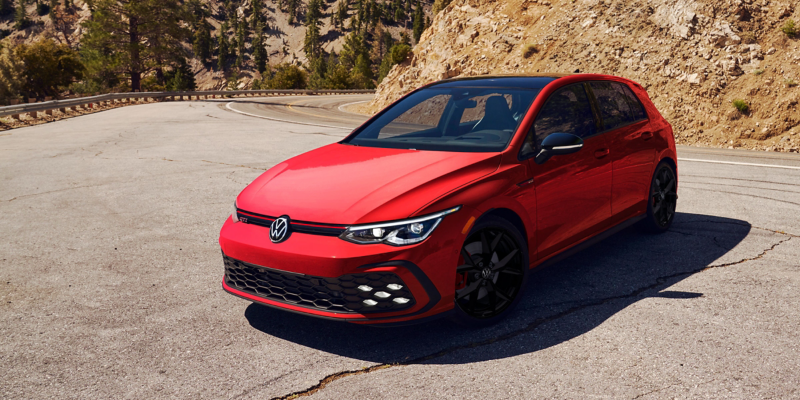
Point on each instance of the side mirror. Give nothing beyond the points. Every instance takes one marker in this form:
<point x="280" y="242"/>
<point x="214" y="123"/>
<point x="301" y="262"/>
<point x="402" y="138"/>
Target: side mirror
<point x="557" y="144"/>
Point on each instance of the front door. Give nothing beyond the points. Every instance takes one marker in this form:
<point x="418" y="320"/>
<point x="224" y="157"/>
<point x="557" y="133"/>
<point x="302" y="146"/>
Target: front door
<point x="573" y="192"/>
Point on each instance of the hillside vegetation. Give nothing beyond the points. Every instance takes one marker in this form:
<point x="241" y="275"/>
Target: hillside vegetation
<point x="121" y="45"/>
<point x="725" y="73"/>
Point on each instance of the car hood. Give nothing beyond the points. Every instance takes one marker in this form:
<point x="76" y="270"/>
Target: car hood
<point x="345" y="184"/>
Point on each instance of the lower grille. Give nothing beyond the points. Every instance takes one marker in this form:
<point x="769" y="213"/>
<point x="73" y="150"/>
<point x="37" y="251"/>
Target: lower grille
<point x="345" y="294"/>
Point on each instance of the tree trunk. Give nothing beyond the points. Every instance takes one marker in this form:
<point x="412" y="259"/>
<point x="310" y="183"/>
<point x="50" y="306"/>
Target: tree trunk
<point x="135" y="67"/>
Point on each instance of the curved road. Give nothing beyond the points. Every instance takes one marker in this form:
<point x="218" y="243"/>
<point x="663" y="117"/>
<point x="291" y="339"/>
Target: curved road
<point x="322" y="111"/>
<point x="110" y="278"/>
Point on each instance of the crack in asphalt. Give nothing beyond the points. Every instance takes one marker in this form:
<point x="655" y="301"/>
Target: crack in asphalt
<point x="529" y="328"/>
<point x="745" y="194"/>
<point x="740" y="179"/>
<point x="669" y="386"/>
<point x="53" y="191"/>
<point x="232" y="165"/>
<point x="740" y="186"/>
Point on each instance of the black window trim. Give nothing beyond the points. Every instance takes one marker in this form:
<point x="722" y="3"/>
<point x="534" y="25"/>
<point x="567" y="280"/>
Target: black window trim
<point x="595" y="113"/>
<point x="596" y="106"/>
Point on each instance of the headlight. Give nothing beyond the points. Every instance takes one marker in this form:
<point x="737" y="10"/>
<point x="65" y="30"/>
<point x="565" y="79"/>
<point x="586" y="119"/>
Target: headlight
<point x="397" y="233"/>
<point x="234" y="215"/>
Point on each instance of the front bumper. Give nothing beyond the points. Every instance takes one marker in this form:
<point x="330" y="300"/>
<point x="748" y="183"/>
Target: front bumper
<point x="315" y="275"/>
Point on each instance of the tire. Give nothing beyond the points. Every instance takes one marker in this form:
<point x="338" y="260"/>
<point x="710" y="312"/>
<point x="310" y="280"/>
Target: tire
<point x="487" y="292"/>
<point x="662" y="200"/>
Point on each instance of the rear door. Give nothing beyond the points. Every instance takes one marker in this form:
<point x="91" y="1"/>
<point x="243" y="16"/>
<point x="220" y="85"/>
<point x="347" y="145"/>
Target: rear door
<point x="629" y="136"/>
<point x="573" y="192"/>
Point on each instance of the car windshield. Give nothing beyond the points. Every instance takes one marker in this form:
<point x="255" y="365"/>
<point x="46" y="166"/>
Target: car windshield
<point x="467" y="119"/>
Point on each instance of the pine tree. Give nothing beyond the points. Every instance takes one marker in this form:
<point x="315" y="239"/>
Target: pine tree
<point x="135" y="37"/>
<point x="241" y="36"/>
<point x="341" y="13"/>
<point x="21" y="20"/>
<point x="259" y="51"/>
<point x="361" y="76"/>
<point x="419" y="22"/>
<point x="292" y="5"/>
<point x="222" y="47"/>
<point x="202" y="42"/>
<point x="255" y="16"/>
<point x="319" y="70"/>
<point x="180" y="78"/>
<point x="353" y="47"/>
<point x="311" y="45"/>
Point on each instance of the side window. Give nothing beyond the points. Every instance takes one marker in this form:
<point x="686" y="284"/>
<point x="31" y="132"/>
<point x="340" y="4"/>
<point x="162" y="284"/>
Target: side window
<point x="567" y="110"/>
<point x="636" y="106"/>
<point x="613" y="104"/>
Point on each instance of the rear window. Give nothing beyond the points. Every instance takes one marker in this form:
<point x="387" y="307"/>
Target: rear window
<point x="618" y="105"/>
<point x="636" y="106"/>
<point x="468" y="119"/>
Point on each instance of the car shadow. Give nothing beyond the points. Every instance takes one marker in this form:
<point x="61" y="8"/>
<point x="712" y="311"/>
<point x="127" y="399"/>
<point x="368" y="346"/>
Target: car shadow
<point x="603" y="279"/>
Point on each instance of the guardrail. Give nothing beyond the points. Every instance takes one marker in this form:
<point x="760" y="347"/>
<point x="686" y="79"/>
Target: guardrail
<point x="88" y="102"/>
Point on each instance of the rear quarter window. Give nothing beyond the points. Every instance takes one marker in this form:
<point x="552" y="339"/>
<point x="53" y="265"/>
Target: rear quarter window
<point x="613" y="104"/>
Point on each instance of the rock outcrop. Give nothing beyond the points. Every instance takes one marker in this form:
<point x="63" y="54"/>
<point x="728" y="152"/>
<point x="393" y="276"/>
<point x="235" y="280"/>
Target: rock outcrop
<point x="694" y="58"/>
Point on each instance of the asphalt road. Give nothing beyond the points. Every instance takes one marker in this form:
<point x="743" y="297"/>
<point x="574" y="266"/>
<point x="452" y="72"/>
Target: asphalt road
<point x="110" y="279"/>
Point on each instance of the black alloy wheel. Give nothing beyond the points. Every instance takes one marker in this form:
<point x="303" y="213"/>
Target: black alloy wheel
<point x="663" y="199"/>
<point x="492" y="272"/>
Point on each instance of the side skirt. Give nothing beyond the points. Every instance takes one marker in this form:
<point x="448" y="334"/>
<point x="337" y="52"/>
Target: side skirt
<point x="587" y="243"/>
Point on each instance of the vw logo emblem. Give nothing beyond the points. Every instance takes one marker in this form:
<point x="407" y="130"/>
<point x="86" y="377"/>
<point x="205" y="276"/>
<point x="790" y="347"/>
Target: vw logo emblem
<point x="279" y="230"/>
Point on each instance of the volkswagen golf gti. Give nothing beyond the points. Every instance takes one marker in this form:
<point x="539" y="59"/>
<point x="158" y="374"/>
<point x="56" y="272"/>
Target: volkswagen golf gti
<point x="446" y="201"/>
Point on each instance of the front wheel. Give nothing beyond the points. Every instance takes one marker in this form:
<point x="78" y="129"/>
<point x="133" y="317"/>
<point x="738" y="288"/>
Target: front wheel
<point x="492" y="272"/>
<point x="662" y="200"/>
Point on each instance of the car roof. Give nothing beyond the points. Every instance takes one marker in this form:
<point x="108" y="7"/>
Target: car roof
<point x="533" y="81"/>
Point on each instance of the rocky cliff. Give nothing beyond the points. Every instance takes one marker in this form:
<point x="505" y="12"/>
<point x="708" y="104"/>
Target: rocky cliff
<point x="693" y="57"/>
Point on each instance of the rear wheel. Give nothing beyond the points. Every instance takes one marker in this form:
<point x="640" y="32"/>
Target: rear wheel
<point x="662" y="201"/>
<point x="492" y="271"/>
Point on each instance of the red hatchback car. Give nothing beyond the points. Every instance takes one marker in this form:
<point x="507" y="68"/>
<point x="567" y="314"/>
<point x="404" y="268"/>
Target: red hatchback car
<point x="442" y="203"/>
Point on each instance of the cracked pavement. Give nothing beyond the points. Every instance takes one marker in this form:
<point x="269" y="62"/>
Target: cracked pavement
<point x="110" y="280"/>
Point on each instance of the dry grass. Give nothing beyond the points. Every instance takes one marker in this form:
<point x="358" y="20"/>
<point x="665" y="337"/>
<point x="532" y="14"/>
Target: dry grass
<point x="789" y="28"/>
<point x="748" y="37"/>
<point x="741" y="105"/>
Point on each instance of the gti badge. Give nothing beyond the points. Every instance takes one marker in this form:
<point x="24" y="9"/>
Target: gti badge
<point x="279" y="230"/>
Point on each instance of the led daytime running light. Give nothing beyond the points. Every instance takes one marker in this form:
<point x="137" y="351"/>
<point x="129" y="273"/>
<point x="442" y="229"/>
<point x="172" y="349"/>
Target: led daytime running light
<point x="397" y="233"/>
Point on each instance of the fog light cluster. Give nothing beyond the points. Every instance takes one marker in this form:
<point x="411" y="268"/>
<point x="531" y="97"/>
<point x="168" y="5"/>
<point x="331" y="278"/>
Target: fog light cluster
<point x="383" y="295"/>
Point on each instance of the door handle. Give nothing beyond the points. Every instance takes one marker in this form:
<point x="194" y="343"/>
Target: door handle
<point x="601" y="153"/>
<point x="647" y="135"/>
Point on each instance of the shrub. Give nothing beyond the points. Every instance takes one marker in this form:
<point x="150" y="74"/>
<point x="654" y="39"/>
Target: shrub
<point x="439" y="5"/>
<point x="741" y="105"/>
<point x="748" y="37"/>
<point x="789" y="28"/>
<point x="758" y="72"/>
<point x="288" y="76"/>
<point x="530" y="50"/>
<point x="49" y="66"/>
<point x="397" y="54"/>
<point x="790" y="82"/>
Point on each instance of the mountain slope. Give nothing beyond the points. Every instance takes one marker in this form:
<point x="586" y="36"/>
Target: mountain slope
<point x="694" y="58"/>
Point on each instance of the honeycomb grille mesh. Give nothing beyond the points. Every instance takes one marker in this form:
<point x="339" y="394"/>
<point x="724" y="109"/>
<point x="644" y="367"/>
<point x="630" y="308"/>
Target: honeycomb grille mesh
<point x="340" y="294"/>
